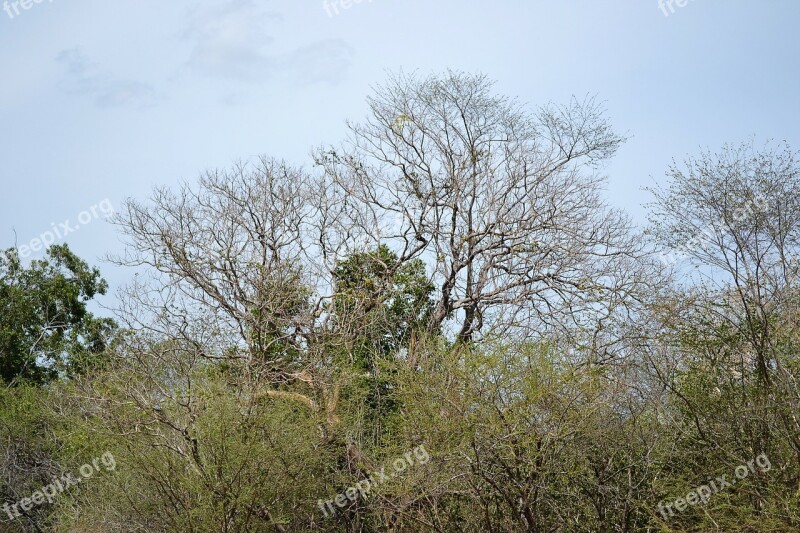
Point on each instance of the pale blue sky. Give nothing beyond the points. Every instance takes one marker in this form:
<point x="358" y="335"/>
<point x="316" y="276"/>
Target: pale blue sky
<point x="105" y="99"/>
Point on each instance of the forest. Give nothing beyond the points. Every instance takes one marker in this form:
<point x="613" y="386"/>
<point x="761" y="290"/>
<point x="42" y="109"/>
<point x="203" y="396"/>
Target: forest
<point x="439" y="323"/>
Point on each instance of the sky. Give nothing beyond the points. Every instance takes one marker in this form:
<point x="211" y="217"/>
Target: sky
<point x="101" y="101"/>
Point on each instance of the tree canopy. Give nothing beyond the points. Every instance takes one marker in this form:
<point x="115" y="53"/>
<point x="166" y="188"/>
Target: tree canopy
<point x="441" y="325"/>
<point x="45" y="327"/>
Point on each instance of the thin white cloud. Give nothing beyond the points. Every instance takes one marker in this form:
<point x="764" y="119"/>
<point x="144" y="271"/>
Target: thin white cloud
<point x="324" y="61"/>
<point x="232" y="42"/>
<point x="83" y="77"/>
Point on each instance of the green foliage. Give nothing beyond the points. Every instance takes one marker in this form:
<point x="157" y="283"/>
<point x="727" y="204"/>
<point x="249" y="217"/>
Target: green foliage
<point x="379" y="304"/>
<point x="213" y="457"/>
<point x="45" y="328"/>
<point x="29" y="458"/>
<point x="383" y="299"/>
<point x="521" y="439"/>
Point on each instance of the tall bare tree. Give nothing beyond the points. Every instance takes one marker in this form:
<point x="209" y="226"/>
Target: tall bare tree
<point x="737" y="214"/>
<point x="503" y="204"/>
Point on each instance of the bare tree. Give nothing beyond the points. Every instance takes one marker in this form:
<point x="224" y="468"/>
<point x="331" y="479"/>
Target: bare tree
<point x="737" y="214"/>
<point x="504" y="205"/>
<point x="233" y="269"/>
<point x="231" y="248"/>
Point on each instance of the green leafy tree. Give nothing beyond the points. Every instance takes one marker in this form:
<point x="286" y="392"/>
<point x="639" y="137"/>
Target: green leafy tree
<point x="45" y="327"/>
<point x="384" y="300"/>
<point x="379" y="304"/>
